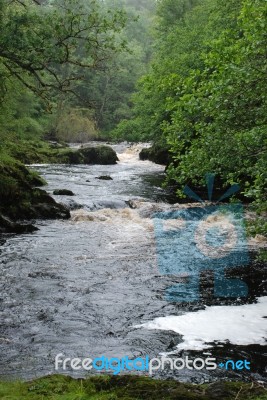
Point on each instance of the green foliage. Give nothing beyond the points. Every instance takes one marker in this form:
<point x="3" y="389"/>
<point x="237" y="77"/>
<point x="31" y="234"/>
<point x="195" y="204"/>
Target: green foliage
<point x="58" y="387"/>
<point x="257" y="227"/>
<point x="47" y="47"/>
<point x="219" y="122"/>
<point x="109" y="89"/>
<point x="127" y="130"/>
<point x="75" y="125"/>
<point x="205" y="94"/>
<point x="47" y="51"/>
<point x="262" y="255"/>
<point x="176" y="52"/>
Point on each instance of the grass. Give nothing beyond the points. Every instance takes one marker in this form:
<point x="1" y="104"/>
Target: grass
<point x="58" y="387"/>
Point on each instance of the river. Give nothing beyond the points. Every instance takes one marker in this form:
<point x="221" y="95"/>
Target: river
<point x="90" y="286"/>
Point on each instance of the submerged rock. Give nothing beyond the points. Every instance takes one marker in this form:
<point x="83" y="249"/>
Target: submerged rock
<point x="63" y="192"/>
<point x="72" y="205"/>
<point x="105" y="178"/>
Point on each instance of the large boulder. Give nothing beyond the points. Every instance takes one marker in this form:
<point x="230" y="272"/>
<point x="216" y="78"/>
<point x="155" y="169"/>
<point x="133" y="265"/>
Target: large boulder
<point x="21" y="200"/>
<point x="88" y="155"/>
<point x="99" y="155"/>
<point x="155" y="154"/>
<point x="44" y="206"/>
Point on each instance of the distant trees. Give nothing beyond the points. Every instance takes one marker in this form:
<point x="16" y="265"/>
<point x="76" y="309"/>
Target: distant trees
<point x="46" y="50"/>
<point x="47" y="47"/>
<point x="110" y="88"/>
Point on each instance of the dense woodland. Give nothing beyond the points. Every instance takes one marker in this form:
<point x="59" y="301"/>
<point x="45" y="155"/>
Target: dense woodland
<point x="205" y="94"/>
<point x="187" y="75"/>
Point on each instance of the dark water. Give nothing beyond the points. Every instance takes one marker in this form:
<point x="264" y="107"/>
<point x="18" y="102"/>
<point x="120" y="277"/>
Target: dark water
<point x="79" y="287"/>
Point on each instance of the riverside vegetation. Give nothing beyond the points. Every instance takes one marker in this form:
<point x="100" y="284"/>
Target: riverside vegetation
<point x="127" y="388"/>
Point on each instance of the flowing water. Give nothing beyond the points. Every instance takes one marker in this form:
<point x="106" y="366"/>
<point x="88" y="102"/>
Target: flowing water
<point x="83" y="287"/>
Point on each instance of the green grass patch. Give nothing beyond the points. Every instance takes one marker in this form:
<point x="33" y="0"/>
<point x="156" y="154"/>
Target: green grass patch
<point x="58" y="387"/>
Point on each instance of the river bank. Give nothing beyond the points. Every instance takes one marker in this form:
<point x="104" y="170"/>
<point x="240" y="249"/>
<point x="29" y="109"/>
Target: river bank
<point x="127" y="388"/>
<point x="21" y="198"/>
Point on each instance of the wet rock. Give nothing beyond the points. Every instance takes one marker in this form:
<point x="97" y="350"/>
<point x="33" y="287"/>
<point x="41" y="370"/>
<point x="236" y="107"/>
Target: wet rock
<point x="105" y="178"/>
<point x="8" y="226"/>
<point x="57" y="145"/>
<point x="155" y="154"/>
<point x="69" y="156"/>
<point x="111" y="204"/>
<point x="131" y="203"/>
<point x="63" y="192"/>
<point x="44" y="206"/>
<point x="21" y="200"/>
<point x="98" y="155"/>
<point x="72" y="205"/>
<point x="86" y="155"/>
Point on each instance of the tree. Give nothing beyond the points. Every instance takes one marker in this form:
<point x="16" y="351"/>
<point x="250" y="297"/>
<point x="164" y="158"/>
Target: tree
<point x="47" y="47"/>
<point x="110" y="88"/>
<point x="219" y="124"/>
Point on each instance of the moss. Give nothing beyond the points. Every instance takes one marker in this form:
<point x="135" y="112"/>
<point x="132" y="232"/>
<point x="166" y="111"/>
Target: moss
<point x="31" y="152"/>
<point x="19" y="196"/>
<point x="68" y="156"/>
<point x="99" y="155"/>
<point x="58" y="387"/>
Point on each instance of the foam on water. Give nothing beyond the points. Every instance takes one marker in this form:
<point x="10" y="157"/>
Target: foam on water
<point x="239" y="325"/>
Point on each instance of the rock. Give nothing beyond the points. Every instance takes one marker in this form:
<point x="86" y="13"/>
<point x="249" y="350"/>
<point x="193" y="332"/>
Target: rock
<point x="131" y="203"/>
<point x="155" y="154"/>
<point x="105" y="178"/>
<point x="99" y="155"/>
<point x="69" y="156"/>
<point x="21" y="200"/>
<point x="72" y="205"/>
<point x="87" y="155"/>
<point x="8" y="226"/>
<point x="63" y="192"/>
<point x="44" y="206"/>
<point x="144" y="154"/>
<point x="57" y="145"/>
<point x="101" y="204"/>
